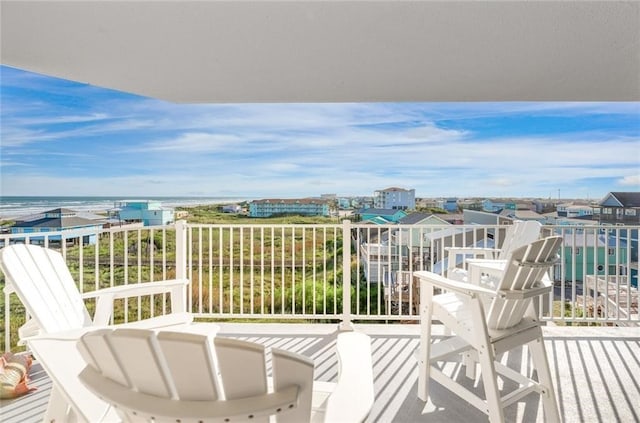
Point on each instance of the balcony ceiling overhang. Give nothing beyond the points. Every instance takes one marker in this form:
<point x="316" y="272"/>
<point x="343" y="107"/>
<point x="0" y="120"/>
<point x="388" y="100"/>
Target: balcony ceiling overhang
<point x="333" y="51"/>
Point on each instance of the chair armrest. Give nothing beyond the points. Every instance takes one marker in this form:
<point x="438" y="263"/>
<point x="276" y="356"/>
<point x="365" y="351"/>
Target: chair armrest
<point x="106" y="296"/>
<point x="65" y="335"/>
<point x="137" y="289"/>
<point x="464" y="288"/>
<point x="353" y="396"/>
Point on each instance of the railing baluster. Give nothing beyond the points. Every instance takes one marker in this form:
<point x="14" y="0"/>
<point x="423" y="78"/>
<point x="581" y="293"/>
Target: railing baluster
<point x="200" y="282"/>
<point x="324" y="270"/>
<point x="273" y="270"/>
<point x="220" y="273"/>
<point x="210" y="269"/>
<point x="293" y="271"/>
<point x="251" y="271"/>
<point x="139" y="279"/>
<point x="314" y="263"/>
<point x="346" y="276"/>
<point x="282" y="275"/>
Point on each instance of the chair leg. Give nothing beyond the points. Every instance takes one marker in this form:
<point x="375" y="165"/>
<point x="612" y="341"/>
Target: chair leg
<point x="469" y="365"/>
<point x="490" y="381"/>
<point x="58" y="409"/>
<point x="486" y="359"/>
<point x="424" y="352"/>
<point x="541" y="364"/>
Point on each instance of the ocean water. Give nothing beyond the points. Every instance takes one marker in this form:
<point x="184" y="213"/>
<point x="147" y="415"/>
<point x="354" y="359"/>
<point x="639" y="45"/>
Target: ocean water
<point x="12" y="207"/>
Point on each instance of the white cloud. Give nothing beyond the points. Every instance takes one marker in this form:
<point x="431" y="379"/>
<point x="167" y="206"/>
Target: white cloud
<point x="630" y="180"/>
<point x="191" y="143"/>
<point x="281" y="167"/>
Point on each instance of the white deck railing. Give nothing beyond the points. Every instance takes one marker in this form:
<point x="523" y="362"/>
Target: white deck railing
<point x="331" y="272"/>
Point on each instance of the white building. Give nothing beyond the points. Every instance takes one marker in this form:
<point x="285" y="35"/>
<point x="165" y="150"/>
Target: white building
<point x="395" y="198"/>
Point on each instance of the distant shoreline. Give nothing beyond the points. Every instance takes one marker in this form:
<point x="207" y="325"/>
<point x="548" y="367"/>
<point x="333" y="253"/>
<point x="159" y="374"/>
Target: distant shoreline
<point x="15" y="207"/>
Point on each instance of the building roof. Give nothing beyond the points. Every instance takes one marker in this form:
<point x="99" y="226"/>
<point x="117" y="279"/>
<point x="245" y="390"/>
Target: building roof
<point x="625" y="199"/>
<point x="415" y="217"/>
<point x="59" y="222"/>
<point x="527" y="214"/>
<point x="378" y="220"/>
<point x="381" y="212"/>
<point x="397" y="189"/>
<point x="524" y="214"/>
<point x="452" y="218"/>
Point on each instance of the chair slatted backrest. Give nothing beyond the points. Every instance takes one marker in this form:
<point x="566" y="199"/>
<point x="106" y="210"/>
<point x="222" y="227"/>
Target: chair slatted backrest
<point x="519" y="234"/>
<point x="516" y="235"/>
<point x="41" y="279"/>
<point x="178" y="376"/>
<point x="524" y="270"/>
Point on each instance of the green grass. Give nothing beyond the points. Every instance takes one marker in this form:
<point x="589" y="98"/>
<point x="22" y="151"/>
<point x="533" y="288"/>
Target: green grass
<point x="213" y="214"/>
<point x="565" y="310"/>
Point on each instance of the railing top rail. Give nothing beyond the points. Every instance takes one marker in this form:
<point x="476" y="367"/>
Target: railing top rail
<point x="265" y="225"/>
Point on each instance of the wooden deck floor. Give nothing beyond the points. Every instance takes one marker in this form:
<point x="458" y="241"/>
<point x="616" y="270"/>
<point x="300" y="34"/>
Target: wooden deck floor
<point x="596" y="373"/>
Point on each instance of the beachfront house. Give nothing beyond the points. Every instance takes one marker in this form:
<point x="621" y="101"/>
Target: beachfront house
<point x="574" y="210"/>
<point x="411" y="237"/>
<point x="588" y="253"/>
<point x="289" y="206"/>
<point x="378" y="260"/>
<point x="395" y="198"/>
<point x="619" y="208"/>
<point x="148" y="212"/>
<point x="579" y="211"/>
<point x="60" y="220"/>
<point x="450" y="204"/>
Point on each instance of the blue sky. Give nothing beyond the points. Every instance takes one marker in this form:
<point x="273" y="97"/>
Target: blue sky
<point x="65" y="138"/>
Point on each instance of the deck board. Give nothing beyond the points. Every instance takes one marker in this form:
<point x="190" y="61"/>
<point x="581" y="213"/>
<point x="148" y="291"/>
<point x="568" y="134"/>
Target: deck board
<point x="596" y="371"/>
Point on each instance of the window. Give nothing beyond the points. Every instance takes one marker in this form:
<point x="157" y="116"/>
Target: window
<point x="630" y="212"/>
<point x="572" y="251"/>
<point x="607" y="210"/>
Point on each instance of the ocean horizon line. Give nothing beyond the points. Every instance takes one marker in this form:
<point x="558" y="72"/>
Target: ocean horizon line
<point x="12" y="207"/>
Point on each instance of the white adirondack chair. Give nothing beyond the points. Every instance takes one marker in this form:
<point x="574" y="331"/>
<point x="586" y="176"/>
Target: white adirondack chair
<point x="487" y="323"/>
<point x="58" y="316"/>
<point x="516" y="235"/>
<point x="180" y="377"/>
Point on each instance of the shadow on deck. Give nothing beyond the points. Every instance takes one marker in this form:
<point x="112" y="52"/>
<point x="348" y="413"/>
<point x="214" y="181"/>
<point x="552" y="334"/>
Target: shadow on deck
<point x="596" y="371"/>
